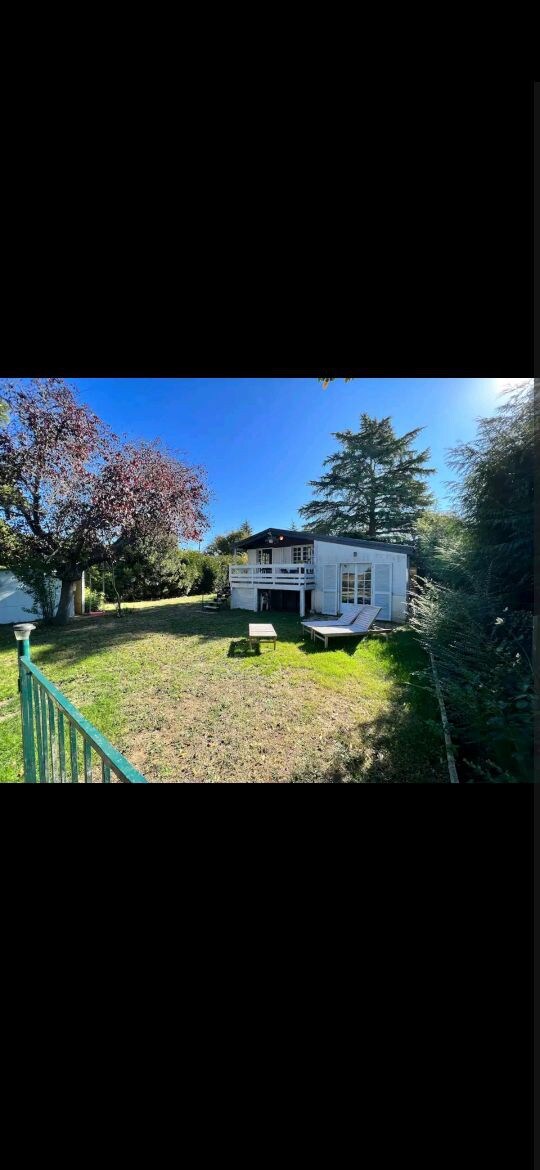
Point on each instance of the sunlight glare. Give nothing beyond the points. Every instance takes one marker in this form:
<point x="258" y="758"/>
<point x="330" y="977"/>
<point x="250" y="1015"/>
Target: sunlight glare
<point x="509" y="383"/>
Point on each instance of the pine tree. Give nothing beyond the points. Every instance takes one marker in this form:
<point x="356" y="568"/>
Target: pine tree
<point x="375" y="487"/>
<point x="495" y="492"/>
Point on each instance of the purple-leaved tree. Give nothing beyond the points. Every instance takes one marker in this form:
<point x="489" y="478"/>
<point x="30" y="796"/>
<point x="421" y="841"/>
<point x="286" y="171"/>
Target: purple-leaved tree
<point x="71" y="492"/>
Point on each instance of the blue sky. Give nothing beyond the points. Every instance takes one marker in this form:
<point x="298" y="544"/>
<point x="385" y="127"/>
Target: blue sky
<point x="262" y="439"/>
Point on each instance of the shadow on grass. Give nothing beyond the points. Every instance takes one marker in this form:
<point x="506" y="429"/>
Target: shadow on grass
<point x="347" y="643"/>
<point x="184" y="619"/>
<point x="89" y="636"/>
<point x="405" y="743"/>
<point x="240" y="648"/>
<point x="399" y="747"/>
<point x="316" y="646"/>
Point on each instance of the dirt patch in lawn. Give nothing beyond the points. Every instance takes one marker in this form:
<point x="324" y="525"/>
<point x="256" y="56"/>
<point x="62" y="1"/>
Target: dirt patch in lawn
<point x="261" y="730"/>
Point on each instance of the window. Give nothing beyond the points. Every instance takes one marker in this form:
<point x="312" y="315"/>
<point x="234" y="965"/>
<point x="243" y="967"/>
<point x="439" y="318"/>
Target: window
<point x="356" y="585"/>
<point x="302" y="554"/>
<point x="264" y="556"/>
<point x="363" y="595"/>
<point x="347" y="587"/>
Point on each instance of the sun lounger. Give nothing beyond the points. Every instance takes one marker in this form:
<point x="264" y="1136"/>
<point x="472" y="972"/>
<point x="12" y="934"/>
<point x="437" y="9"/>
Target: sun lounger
<point x="346" y="619"/>
<point x="360" y="625"/>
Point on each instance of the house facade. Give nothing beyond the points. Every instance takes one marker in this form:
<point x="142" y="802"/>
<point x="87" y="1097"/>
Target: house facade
<point x="312" y="573"/>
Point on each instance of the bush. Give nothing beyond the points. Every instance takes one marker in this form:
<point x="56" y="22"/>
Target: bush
<point x="483" y="653"/>
<point x="473" y="607"/>
<point x="149" y="573"/>
<point x="93" y="600"/>
<point x="43" y="591"/>
<point x="42" y="587"/>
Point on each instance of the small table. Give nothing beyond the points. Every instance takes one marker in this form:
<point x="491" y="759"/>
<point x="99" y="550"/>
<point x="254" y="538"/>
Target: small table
<point x="261" y="632"/>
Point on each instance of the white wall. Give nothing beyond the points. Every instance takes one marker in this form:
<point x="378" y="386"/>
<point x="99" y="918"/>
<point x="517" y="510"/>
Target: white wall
<point x="332" y="554"/>
<point x="16" y="601"/>
<point x="243" y="597"/>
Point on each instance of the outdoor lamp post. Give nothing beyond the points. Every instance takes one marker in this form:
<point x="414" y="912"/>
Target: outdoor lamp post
<point x="22" y="633"/>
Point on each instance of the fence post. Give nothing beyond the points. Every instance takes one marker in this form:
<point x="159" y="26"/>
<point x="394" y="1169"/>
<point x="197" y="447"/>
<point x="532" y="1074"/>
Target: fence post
<point x="22" y="633"/>
<point x="452" y="771"/>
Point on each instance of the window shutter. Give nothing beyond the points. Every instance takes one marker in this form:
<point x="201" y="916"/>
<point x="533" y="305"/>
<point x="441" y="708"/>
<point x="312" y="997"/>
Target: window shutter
<point x="330" y="589"/>
<point x="382" y="589"/>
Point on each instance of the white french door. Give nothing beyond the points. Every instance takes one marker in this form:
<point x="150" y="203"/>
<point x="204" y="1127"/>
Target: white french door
<point x="366" y="585"/>
<point x="355" y="586"/>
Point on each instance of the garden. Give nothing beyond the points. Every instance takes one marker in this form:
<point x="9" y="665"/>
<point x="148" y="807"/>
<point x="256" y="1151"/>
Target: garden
<point x="178" y="692"/>
<point x="176" y="688"/>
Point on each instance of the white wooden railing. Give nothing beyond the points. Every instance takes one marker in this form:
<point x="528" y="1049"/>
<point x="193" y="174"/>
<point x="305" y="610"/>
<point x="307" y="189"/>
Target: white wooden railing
<point x="271" y="574"/>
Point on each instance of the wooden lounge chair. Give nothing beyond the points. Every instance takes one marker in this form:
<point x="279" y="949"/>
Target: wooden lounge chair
<point x="345" y="619"/>
<point x="360" y="625"/>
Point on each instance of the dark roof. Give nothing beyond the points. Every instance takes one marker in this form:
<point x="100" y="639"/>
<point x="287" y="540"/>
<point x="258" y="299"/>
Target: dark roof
<point x="308" y="537"/>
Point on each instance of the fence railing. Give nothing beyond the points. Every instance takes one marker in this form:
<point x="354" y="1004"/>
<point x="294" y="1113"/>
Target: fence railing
<point x="272" y="574"/>
<point x="50" y="755"/>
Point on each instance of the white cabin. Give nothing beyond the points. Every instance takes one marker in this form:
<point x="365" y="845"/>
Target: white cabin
<point x="309" y="573"/>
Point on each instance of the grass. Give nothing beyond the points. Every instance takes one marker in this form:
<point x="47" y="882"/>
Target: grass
<point x="180" y="693"/>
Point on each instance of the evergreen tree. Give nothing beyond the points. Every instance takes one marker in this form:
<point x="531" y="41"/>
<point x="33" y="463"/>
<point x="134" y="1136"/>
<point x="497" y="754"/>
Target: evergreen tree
<point x="474" y="614"/>
<point x="495" y="493"/>
<point x="375" y="485"/>
<point x="442" y="547"/>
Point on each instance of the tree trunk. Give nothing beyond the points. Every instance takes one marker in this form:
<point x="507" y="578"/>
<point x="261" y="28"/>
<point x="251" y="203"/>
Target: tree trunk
<point x="66" y="604"/>
<point x="372" y="529"/>
<point x="118" y="597"/>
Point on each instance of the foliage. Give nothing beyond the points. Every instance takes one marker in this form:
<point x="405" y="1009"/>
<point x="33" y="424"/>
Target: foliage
<point x="442" y="547"/>
<point x="151" y="570"/>
<point x="201" y="571"/>
<point x="221" y="574"/>
<point x="43" y="590"/>
<point x="495" y="492"/>
<point x="71" y="491"/>
<point x="326" y="381"/>
<point x="142" y="568"/>
<point x="375" y="487"/>
<point x="196" y="573"/>
<point x="93" y="600"/>
<point x="226" y="543"/>
<point x="473" y="608"/>
<point x="29" y="570"/>
<point x="483" y="657"/>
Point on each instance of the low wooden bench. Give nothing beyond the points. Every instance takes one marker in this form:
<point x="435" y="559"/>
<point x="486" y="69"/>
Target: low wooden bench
<point x="262" y="632"/>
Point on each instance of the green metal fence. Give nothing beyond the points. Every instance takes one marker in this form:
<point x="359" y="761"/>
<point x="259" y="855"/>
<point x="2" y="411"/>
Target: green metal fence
<point x="60" y="746"/>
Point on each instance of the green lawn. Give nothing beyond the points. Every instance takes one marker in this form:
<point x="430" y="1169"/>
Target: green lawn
<point x="180" y="694"/>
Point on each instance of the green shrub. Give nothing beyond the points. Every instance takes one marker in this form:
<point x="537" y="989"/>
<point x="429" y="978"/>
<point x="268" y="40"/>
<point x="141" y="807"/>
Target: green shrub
<point x="93" y="600"/>
<point x="149" y="572"/>
<point x="483" y="655"/>
<point x="472" y="606"/>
